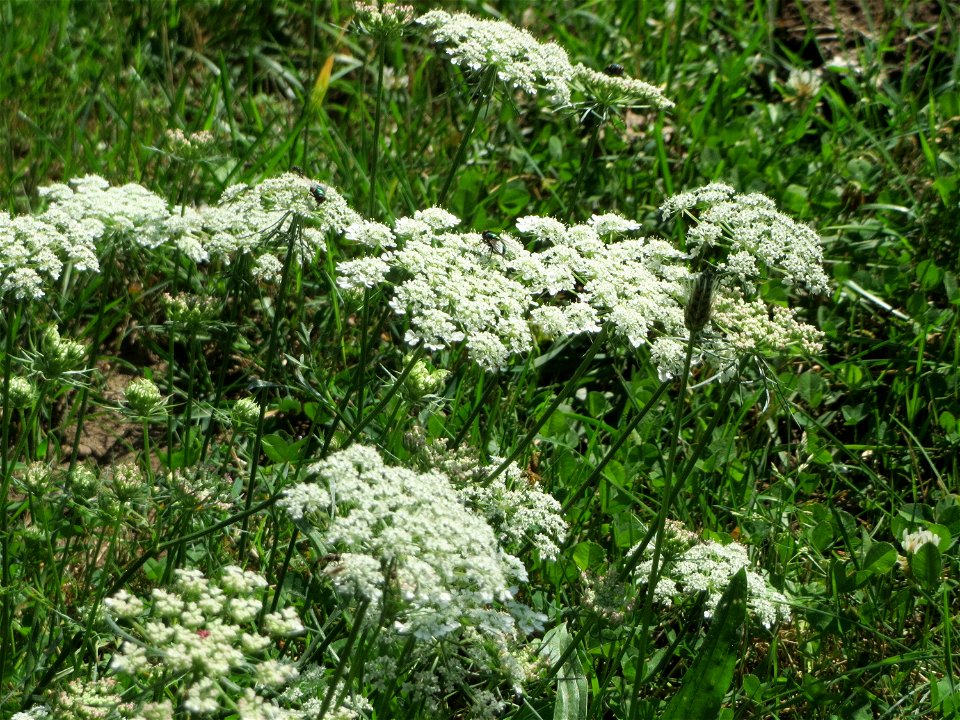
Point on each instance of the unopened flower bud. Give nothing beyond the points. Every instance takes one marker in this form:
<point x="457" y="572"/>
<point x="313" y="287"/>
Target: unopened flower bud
<point x="696" y="315"/>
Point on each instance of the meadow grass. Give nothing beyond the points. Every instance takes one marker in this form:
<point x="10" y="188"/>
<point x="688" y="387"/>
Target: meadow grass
<point x="282" y="440"/>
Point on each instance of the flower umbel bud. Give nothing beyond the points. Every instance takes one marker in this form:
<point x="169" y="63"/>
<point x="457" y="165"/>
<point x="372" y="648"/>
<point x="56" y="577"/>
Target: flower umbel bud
<point x="144" y="399"/>
<point x="696" y="315"/>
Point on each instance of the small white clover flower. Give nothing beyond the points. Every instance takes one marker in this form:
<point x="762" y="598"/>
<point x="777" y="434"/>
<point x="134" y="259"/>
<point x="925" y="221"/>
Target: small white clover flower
<point x="803" y="85"/>
<point x="912" y="542"/>
<point x="521" y="62"/>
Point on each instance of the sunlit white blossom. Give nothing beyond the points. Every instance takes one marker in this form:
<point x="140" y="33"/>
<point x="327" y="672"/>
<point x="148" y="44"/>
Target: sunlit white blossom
<point x="709" y="567"/>
<point x="410" y="532"/>
<point x="520" y="60"/>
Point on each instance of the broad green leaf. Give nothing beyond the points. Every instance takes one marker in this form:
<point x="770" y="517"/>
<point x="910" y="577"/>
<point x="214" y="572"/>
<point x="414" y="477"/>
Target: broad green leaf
<point x="571" y="681"/>
<point x="926" y="565"/>
<point x="709" y="678"/>
<point x="880" y="558"/>
<point x="588" y="555"/>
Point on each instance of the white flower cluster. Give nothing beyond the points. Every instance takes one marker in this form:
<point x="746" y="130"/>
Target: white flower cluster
<point x="913" y="541"/>
<point x="204" y="633"/>
<point x="754" y="236"/>
<point x="520" y="60"/>
<point x="608" y="90"/>
<point x="88" y="214"/>
<point x="516" y="507"/>
<point x="237" y="223"/>
<point x="408" y="535"/>
<point x="456" y="287"/>
<point x="709" y="567"/>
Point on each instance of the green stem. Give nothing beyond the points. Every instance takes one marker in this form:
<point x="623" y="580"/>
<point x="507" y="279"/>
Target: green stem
<point x="585" y="161"/>
<point x="231" y="333"/>
<point x="78" y="637"/>
<point x="665" y="502"/>
<point x="365" y="420"/>
<point x="345" y="656"/>
<point x="377" y="111"/>
<point x="272" y="349"/>
<point x="483" y="95"/>
<point x="609" y="455"/>
<point x="478" y="407"/>
<point x="6" y="471"/>
<point x="565" y="392"/>
<point x="107" y="266"/>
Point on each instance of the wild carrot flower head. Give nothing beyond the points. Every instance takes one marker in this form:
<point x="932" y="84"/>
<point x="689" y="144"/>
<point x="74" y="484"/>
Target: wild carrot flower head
<point x="407" y="535"/>
<point x="203" y="632"/>
<point x="249" y="220"/>
<point x="748" y="238"/>
<point x="31" y="255"/>
<point x="453" y="288"/>
<point x="90" y="207"/>
<point x="388" y="20"/>
<point x="694" y="566"/>
<point x="520" y="60"/>
<point x="606" y="92"/>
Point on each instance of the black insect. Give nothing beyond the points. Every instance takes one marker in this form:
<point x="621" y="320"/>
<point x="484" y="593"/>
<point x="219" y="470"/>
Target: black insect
<point x="494" y="242"/>
<point x="296" y="170"/>
<point x="319" y="194"/>
<point x="614" y="70"/>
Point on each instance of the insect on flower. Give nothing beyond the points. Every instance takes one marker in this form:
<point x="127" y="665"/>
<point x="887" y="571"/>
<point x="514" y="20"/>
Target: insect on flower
<point x="614" y="70"/>
<point x="319" y="194"/>
<point x="494" y="242"/>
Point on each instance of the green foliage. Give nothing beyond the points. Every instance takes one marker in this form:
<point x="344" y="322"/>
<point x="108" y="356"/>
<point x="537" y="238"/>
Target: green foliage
<point x="822" y="465"/>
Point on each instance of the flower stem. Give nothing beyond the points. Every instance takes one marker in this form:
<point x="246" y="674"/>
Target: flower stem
<point x="565" y="392"/>
<point x="483" y="95"/>
<point x="6" y="471"/>
<point x="665" y="502"/>
<point x="585" y="161"/>
<point x="293" y="236"/>
<point x="377" y="112"/>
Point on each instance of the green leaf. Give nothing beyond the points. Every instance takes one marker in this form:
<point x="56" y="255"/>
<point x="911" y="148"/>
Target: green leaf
<point x="279" y="450"/>
<point x="709" y="678"/>
<point x="571" y="681"/>
<point x="588" y="555"/>
<point x="880" y="558"/>
<point x="926" y="565"/>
